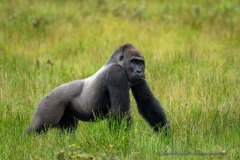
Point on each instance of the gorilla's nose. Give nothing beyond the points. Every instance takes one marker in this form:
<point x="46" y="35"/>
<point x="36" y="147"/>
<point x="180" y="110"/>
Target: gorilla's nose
<point x="139" y="71"/>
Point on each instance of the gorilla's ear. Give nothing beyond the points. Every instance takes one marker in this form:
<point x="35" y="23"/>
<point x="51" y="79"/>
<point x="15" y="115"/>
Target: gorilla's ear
<point x="118" y="54"/>
<point x="121" y="58"/>
<point x="122" y="49"/>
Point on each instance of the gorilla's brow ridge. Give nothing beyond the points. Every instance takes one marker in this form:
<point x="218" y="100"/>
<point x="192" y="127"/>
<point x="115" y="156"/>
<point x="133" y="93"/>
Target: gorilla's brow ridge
<point x="135" y="53"/>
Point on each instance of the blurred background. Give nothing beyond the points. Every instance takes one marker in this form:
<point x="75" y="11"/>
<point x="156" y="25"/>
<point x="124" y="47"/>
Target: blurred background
<point x="192" y="52"/>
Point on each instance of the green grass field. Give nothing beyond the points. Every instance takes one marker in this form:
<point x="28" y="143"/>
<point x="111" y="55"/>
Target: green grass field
<point x="192" y="52"/>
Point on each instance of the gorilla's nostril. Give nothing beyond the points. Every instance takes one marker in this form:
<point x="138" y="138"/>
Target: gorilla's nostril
<point x="139" y="71"/>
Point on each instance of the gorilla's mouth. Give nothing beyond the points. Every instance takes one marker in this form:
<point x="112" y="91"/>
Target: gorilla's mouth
<point x="137" y="80"/>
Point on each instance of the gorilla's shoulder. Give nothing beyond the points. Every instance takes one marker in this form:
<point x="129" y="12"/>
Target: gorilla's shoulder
<point x="115" y="69"/>
<point x="116" y="73"/>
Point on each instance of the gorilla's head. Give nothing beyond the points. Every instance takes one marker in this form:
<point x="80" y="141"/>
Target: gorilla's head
<point x="133" y="63"/>
<point x="131" y="60"/>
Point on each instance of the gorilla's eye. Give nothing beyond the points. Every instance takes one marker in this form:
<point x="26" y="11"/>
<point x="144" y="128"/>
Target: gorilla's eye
<point x="141" y="62"/>
<point x="134" y="61"/>
<point x="138" y="62"/>
<point x="121" y="58"/>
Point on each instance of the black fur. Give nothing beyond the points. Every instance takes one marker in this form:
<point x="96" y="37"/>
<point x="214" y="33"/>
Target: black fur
<point x="149" y="107"/>
<point x="105" y="94"/>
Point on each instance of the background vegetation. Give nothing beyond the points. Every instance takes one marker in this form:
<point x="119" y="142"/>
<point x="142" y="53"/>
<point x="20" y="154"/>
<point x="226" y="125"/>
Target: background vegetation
<point x="192" y="52"/>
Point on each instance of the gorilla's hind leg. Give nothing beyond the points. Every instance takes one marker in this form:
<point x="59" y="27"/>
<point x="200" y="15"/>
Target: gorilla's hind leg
<point x="68" y="122"/>
<point x="48" y="115"/>
<point x="37" y="127"/>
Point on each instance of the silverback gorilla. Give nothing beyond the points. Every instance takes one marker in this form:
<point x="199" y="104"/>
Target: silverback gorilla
<point x="104" y="94"/>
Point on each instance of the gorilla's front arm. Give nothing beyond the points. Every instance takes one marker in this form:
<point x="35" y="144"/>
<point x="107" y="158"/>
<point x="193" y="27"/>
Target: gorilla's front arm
<point x="118" y="89"/>
<point x="149" y="107"/>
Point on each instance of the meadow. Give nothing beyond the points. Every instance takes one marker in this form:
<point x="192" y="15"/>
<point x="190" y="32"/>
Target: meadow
<point x="192" y="54"/>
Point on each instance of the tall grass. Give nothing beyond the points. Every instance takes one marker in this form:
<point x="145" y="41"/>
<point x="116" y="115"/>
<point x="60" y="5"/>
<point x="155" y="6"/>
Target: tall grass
<point x="192" y="52"/>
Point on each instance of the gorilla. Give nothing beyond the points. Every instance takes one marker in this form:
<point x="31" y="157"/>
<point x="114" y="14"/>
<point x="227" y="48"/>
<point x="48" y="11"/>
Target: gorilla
<point x="105" y="94"/>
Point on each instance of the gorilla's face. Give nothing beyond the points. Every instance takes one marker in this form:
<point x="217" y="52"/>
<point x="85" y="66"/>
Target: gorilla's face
<point x="134" y="65"/>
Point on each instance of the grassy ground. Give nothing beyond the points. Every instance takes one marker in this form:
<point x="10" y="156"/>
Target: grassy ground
<point x="192" y="52"/>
